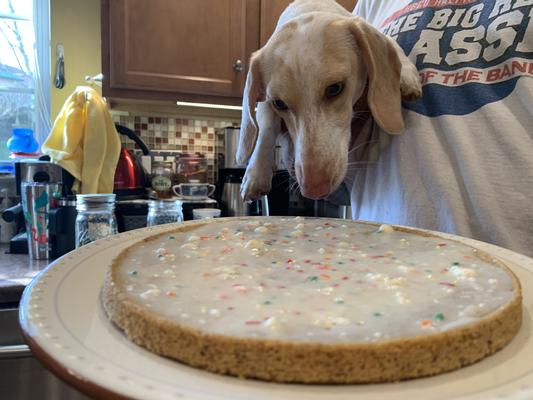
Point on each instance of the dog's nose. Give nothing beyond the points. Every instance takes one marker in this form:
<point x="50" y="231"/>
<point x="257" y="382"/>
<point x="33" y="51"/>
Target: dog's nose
<point x="313" y="184"/>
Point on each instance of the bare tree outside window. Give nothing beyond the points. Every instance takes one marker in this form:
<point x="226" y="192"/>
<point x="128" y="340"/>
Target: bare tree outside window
<point x="17" y="71"/>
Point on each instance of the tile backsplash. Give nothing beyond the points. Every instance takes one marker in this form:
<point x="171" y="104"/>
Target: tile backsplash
<point x="177" y="135"/>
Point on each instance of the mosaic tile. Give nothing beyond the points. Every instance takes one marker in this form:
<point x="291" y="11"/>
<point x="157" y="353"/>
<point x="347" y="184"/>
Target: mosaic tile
<point x="180" y="135"/>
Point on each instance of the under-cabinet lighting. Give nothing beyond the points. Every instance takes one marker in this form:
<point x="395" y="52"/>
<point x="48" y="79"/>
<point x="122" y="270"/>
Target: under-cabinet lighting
<point x="207" y="105"/>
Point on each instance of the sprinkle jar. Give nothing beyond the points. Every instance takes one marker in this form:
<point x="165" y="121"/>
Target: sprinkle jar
<point x="96" y="217"/>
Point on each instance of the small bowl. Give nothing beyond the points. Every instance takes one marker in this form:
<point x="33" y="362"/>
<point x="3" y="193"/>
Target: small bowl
<point x="194" y="191"/>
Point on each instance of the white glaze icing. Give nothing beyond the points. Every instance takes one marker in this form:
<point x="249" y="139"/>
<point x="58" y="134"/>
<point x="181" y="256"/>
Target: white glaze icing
<point x="318" y="280"/>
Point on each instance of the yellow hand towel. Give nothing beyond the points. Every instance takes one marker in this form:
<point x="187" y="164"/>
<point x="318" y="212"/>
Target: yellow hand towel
<point x="85" y="142"/>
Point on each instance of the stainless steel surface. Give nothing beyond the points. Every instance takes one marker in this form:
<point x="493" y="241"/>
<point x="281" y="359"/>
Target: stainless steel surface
<point x="15" y="351"/>
<point x="231" y="142"/>
<point x="39" y="171"/>
<point x="8" y="186"/>
<point x="22" y="377"/>
<point x="7" y="229"/>
<point x="8" y="198"/>
<point x="232" y="200"/>
<point x="325" y="208"/>
<point x="37" y="200"/>
<point x="265" y="212"/>
<point x="236" y="207"/>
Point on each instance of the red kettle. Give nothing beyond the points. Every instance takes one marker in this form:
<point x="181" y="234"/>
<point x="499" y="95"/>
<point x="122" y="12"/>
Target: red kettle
<point x="130" y="177"/>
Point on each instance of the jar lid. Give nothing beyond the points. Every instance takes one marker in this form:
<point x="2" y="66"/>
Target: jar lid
<point x="96" y="198"/>
<point x="206" y="212"/>
<point x="165" y="203"/>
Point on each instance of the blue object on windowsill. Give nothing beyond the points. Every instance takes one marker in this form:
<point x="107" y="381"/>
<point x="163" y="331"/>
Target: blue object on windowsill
<point x="22" y="141"/>
<point x="7" y="167"/>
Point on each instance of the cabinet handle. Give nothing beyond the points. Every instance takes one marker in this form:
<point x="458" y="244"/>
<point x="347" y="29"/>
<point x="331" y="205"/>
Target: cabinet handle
<point x="238" y="66"/>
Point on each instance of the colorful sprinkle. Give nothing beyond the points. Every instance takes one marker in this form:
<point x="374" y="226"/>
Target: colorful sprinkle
<point x="426" y="323"/>
<point x="439" y="317"/>
<point x="349" y="266"/>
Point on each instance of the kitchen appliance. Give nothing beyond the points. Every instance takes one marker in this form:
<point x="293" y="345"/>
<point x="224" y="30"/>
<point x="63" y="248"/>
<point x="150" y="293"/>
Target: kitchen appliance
<point x="131" y="214"/>
<point x="61" y="223"/>
<point x="233" y="204"/>
<point x="8" y="198"/>
<point x="231" y="142"/>
<point x="226" y="155"/>
<point x="284" y="197"/>
<point x="62" y="226"/>
<point x="229" y="178"/>
<point x="131" y="180"/>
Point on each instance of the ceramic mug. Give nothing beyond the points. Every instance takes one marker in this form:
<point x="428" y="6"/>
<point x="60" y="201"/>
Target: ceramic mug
<point x="194" y="190"/>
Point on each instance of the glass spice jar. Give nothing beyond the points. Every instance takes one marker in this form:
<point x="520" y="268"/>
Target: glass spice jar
<point x="192" y="168"/>
<point x="162" y="174"/>
<point x="164" y="212"/>
<point x="96" y="217"/>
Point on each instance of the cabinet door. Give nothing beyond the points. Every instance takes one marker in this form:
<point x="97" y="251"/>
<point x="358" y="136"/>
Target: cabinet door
<point x="272" y="9"/>
<point x="176" y="46"/>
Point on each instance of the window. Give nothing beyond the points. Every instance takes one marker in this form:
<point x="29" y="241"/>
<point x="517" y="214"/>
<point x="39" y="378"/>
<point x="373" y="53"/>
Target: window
<point x="24" y="69"/>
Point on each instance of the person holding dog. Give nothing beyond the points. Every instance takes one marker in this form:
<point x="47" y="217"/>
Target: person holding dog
<point x="464" y="164"/>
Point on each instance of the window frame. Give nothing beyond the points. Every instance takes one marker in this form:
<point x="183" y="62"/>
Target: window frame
<point x="41" y="26"/>
<point x="41" y="70"/>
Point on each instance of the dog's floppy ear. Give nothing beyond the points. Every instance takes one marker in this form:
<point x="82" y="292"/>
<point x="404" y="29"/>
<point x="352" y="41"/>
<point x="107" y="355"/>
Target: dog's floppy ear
<point x="383" y="69"/>
<point x="253" y="93"/>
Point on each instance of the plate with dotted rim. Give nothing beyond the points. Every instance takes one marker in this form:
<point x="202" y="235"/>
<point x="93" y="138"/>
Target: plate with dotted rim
<point x="66" y="327"/>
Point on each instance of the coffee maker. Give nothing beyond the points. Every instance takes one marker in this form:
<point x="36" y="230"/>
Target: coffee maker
<point x="229" y="180"/>
<point x="62" y="217"/>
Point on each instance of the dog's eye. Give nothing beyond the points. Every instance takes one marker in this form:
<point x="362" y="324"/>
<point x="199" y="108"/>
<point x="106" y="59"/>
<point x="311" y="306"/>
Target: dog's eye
<point x="335" y="89"/>
<point x="280" y="105"/>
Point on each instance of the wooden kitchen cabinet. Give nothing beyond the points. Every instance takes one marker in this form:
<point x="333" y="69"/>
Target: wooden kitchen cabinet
<point x="272" y="9"/>
<point x="178" y="49"/>
<point x="183" y="50"/>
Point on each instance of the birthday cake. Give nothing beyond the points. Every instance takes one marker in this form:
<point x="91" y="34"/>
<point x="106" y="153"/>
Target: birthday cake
<point x="312" y="300"/>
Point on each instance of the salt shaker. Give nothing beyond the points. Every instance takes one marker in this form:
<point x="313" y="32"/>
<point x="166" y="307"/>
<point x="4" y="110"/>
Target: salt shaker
<point x="96" y="217"/>
<point x="164" y="212"/>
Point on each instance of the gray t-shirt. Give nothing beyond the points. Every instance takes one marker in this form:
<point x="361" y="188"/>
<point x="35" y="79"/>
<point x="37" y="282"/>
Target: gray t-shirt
<point x="465" y="162"/>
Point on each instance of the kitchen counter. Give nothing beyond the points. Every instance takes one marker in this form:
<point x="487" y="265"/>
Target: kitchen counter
<point x="16" y="271"/>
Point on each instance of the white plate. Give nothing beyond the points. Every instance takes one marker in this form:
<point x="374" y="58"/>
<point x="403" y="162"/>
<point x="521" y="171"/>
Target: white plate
<point x="67" y="329"/>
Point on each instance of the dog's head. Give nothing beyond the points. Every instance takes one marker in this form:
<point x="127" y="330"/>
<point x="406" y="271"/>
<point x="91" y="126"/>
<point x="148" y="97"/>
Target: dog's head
<point x="312" y="72"/>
